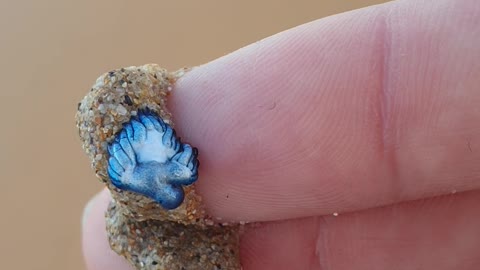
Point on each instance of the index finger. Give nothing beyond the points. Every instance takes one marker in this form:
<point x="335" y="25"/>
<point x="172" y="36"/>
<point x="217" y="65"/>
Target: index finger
<point x="357" y="110"/>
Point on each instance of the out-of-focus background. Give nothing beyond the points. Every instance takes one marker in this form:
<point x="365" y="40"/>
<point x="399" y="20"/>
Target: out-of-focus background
<point x="52" y="51"/>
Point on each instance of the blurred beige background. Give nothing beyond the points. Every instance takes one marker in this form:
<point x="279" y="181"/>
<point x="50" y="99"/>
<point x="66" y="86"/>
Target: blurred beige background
<point x="51" y="52"/>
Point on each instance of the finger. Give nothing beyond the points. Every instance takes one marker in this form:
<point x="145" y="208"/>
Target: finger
<point x="357" y="110"/>
<point x="96" y="250"/>
<point x="439" y="233"/>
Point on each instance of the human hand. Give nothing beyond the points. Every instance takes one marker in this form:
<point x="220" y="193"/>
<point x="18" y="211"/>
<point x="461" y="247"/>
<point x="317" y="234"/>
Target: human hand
<point x="372" y="114"/>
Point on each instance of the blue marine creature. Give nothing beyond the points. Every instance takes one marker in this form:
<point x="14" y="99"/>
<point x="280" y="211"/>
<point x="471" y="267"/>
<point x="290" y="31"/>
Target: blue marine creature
<point x="146" y="157"/>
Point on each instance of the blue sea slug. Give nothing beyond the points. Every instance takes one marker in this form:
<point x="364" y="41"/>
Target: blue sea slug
<point x="146" y="157"/>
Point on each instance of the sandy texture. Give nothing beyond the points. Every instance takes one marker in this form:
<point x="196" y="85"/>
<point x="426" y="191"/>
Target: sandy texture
<point x="154" y="244"/>
<point x="149" y="236"/>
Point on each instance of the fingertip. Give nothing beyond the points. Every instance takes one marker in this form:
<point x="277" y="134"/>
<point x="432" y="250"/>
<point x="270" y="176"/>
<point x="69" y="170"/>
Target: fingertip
<point x="299" y="125"/>
<point x="96" y="249"/>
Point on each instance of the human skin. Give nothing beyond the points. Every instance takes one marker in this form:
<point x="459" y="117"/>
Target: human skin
<point x="372" y="114"/>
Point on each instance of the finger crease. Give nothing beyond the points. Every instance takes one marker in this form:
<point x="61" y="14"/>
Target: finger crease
<point x="321" y="248"/>
<point x="385" y="96"/>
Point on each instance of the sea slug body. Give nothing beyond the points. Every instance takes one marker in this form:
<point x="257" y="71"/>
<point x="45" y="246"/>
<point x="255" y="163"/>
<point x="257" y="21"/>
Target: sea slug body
<point x="146" y="157"/>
